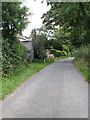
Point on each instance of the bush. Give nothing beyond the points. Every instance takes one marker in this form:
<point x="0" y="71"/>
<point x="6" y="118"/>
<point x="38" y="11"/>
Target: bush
<point x="82" y="53"/>
<point x="49" y="60"/>
<point x="13" y="55"/>
<point x="82" y="59"/>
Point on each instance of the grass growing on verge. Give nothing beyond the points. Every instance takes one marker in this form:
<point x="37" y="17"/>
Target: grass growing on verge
<point x="82" y="58"/>
<point x="11" y="82"/>
<point x="83" y="68"/>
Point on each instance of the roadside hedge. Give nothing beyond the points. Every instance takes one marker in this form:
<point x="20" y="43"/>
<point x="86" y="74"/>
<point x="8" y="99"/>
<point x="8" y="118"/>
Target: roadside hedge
<point x="82" y="58"/>
<point x="13" y="55"/>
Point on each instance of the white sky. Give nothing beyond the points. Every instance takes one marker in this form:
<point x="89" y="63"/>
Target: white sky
<point x="37" y="9"/>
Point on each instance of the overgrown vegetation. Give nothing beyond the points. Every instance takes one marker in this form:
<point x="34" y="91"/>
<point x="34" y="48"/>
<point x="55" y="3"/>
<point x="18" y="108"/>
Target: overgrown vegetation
<point x="13" y="55"/>
<point x="82" y="60"/>
<point x="51" y="46"/>
<point x="14" y="20"/>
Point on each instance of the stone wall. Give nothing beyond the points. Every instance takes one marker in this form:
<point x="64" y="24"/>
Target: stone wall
<point x="30" y="52"/>
<point x="27" y="44"/>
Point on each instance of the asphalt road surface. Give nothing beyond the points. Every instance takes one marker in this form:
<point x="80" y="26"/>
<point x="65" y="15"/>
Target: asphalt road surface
<point x="57" y="91"/>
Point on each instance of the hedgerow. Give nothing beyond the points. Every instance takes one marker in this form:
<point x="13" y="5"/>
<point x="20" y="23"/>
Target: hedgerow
<point x="13" y="55"/>
<point x="82" y="60"/>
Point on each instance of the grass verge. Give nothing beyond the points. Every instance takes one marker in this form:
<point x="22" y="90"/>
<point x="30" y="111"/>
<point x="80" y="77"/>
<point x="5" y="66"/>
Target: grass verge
<point x="11" y="82"/>
<point x="83" y="67"/>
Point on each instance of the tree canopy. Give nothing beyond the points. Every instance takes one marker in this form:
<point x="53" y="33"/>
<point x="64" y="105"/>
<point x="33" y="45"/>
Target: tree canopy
<point x="14" y="18"/>
<point x="73" y="17"/>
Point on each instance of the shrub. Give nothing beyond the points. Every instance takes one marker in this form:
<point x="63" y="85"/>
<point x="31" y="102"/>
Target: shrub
<point x="49" y="60"/>
<point x="82" y="58"/>
<point x="82" y="53"/>
<point x="39" y="53"/>
<point x="13" y="55"/>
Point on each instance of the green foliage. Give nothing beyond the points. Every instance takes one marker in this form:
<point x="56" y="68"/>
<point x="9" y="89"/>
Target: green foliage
<point x="58" y="53"/>
<point x="74" y="18"/>
<point x="49" y="60"/>
<point x="56" y="44"/>
<point x="13" y="55"/>
<point x="48" y="44"/>
<point x="40" y="51"/>
<point x="82" y="59"/>
<point x="38" y="60"/>
<point x="14" y="20"/>
<point x="46" y="60"/>
<point x="82" y="53"/>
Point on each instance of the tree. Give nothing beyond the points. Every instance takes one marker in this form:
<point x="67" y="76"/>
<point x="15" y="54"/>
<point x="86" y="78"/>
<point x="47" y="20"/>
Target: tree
<point x="14" y="20"/>
<point x="70" y="15"/>
<point x="63" y="37"/>
<point x="39" y="41"/>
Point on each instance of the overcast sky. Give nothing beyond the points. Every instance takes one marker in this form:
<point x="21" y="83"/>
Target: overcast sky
<point x="37" y="9"/>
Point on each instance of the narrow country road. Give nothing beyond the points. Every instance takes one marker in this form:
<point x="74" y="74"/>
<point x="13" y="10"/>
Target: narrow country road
<point x="57" y="91"/>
